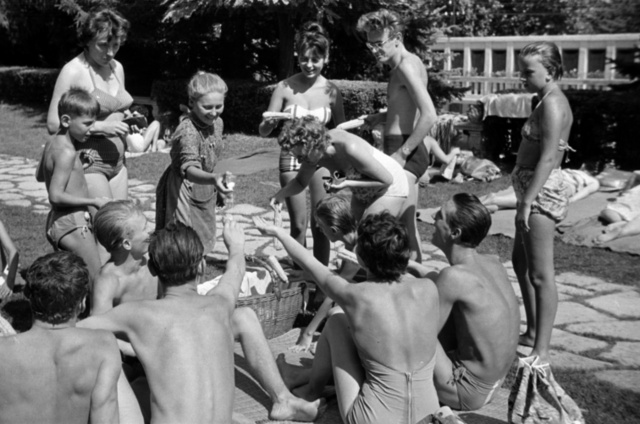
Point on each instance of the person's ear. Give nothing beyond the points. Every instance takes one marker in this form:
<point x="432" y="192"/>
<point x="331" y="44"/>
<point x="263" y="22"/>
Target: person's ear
<point x="82" y="306"/>
<point x="126" y="243"/>
<point x="65" y="120"/>
<point x="456" y="233"/>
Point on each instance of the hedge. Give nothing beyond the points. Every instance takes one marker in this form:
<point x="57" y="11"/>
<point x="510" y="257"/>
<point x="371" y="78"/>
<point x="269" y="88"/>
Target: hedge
<point x="606" y="123"/>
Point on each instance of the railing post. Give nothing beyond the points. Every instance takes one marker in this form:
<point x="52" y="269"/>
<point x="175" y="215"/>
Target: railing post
<point x="609" y="68"/>
<point x="510" y="65"/>
<point x="488" y="68"/>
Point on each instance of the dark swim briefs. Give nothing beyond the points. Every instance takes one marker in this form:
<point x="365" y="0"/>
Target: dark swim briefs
<point x="417" y="162"/>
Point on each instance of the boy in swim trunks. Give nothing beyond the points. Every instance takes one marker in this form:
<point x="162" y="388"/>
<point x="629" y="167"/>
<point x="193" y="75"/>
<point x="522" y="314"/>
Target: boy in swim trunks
<point x="69" y="221"/>
<point x="479" y="313"/>
<point x="55" y="372"/>
<point x="381" y="351"/>
<point x="410" y="114"/>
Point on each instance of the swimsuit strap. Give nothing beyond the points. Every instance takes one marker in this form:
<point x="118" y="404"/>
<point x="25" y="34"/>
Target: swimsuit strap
<point x="93" y="81"/>
<point x="544" y="97"/>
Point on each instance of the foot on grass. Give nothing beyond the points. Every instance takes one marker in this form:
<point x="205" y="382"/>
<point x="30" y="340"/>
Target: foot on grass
<point x="292" y="408"/>
<point x="611" y="232"/>
<point x="292" y="376"/>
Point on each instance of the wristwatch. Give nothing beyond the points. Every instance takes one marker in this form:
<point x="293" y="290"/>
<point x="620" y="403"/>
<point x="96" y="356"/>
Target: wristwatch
<point x="406" y="151"/>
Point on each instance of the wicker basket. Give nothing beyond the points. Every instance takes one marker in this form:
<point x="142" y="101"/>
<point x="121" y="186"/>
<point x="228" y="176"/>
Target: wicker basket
<point x="276" y="311"/>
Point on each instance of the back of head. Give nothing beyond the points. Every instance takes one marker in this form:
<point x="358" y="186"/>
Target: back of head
<point x="203" y="83"/>
<point x="471" y="217"/>
<point x="312" y="36"/>
<point x="78" y="102"/>
<point x="175" y="253"/>
<point x="383" y="246"/>
<point x="549" y="55"/>
<point x="57" y="283"/>
<point x="103" y="21"/>
<point x="306" y="131"/>
<point x="112" y="223"/>
<point x="380" y="20"/>
<point x="335" y="211"/>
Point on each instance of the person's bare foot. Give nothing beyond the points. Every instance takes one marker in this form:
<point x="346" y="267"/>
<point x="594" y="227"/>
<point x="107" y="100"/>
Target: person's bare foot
<point x="293" y="376"/>
<point x="611" y="232"/>
<point x="526" y="340"/>
<point x="292" y="408"/>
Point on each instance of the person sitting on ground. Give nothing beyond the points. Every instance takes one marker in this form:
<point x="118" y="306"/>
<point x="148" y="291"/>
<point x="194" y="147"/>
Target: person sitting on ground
<point x="333" y="216"/>
<point x="69" y="221"/>
<point x="477" y="304"/>
<point x="55" y="372"/>
<point x="622" y="215"/>
<point x="581" y="184"/>
<point x="386" y="336"/>
<point x="194" y="326"/>
<point x="9" y="259"/>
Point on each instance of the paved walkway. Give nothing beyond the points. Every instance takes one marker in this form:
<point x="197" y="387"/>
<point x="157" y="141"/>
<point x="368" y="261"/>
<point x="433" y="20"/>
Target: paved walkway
<point x="597" y="326"/>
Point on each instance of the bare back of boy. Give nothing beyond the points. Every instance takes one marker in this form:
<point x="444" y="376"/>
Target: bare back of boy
<point x="480" y="299"/>
<point x="65" y="375"/>
<point x="59" y="152"/>
<point x="185" y="345"/>
<point x="116" y="285"/>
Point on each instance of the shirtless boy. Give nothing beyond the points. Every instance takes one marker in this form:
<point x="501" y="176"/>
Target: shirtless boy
<point x="55" y="372"/>
<point x="478" y="347"/>
<point x="168" y="333"/>
<point x="410" y="114"/>
<point x="69" y="221"/>
<point x="123" y="230"/>
<point x="381" y="351"/>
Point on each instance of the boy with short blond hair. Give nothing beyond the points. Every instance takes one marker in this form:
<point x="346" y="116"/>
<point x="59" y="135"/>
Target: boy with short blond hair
<point x="69" y="222"/>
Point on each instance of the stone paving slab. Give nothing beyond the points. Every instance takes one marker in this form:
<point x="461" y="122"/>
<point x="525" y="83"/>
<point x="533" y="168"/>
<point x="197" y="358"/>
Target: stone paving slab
<point x="567" y="360"/>
<point x="622" y="330"/>
<point x="625" y="353"/>
<point x="574" y="343"/>
<point x="572" y="312"/>
<point x="622" y="305"/>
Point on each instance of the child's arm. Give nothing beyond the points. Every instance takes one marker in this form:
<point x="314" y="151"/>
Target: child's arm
<point x="434" y="147"/>
<point x="104" y="291"/>
<point x="229" y="285"/>
<point x="296" y="185"/>
<point x="10" y="252"/>
<point x="199" y="176"/>
<point x="63" y="164"/>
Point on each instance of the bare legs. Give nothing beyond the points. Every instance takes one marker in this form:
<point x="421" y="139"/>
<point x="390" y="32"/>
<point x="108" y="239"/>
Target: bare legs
<point x="337" y="357"/>
<point x="247" y="330"/>
<point x="618" y="230"/>
<point x="410" y="219"/>
<point x="297" y="208"/>
<point x="533" y="265"/>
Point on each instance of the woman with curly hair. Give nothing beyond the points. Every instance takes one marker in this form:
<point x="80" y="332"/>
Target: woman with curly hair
<point x="376" y="181"/>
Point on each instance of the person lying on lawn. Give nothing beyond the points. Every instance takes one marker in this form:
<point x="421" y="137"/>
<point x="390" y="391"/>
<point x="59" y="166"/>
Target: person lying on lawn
<point x="167" y="333"/>
<point x="380" y="352"/>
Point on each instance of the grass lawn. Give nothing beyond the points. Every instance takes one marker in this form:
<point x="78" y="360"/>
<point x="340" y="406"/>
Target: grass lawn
<point x="23" y="133"/>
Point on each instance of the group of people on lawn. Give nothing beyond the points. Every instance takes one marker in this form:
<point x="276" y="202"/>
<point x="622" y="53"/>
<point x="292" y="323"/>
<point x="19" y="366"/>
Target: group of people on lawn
<point x="400" y="343"/>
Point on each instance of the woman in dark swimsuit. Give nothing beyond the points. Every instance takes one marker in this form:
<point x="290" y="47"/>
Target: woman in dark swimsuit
<point x="95" y="69"/>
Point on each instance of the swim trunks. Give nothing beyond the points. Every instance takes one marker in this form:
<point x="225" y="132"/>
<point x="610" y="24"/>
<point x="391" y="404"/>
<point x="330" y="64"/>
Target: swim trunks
<point x="390" y="396"/>
<point x="63" y="222"/>
<point x="553" y="198"/>
<point x="399" y="187"/>
<point x="288" y="162"/>
<point x="417" y="162"/>
<point x="473" y="393"/>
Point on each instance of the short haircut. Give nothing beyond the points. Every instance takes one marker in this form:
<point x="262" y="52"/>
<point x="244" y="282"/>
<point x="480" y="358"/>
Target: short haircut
<point x="112" y="223"/>
<point x="203" y="83"/>
<point x="103" y="21"/>
<point x="471" y="217"/>
<point x="175" y="252"/>
<point x="312" y="36"/>
<point x="380" y="20"/>
<point x="57" y="283"/>
<point x="77" y="102"/>
<point x="383" y="246"/>
<point x="335" y="211"/>
<point x="549" y="54"/>
<point x="307" y="132"/>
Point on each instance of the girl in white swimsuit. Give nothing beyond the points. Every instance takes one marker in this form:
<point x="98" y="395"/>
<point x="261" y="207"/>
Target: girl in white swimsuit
<point x="307" y="93"/>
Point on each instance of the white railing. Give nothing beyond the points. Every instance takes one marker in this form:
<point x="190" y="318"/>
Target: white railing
<point x="484" y="81"/>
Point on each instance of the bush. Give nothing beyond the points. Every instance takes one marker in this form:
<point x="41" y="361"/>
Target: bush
<point x="605" y="128"/>
<point x="246" y="100"/>
<point x="27" y="85"/>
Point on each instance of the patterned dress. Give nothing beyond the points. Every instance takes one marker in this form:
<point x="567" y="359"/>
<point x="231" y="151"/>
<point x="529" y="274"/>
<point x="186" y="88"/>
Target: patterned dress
<point x="178" y="199"/>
